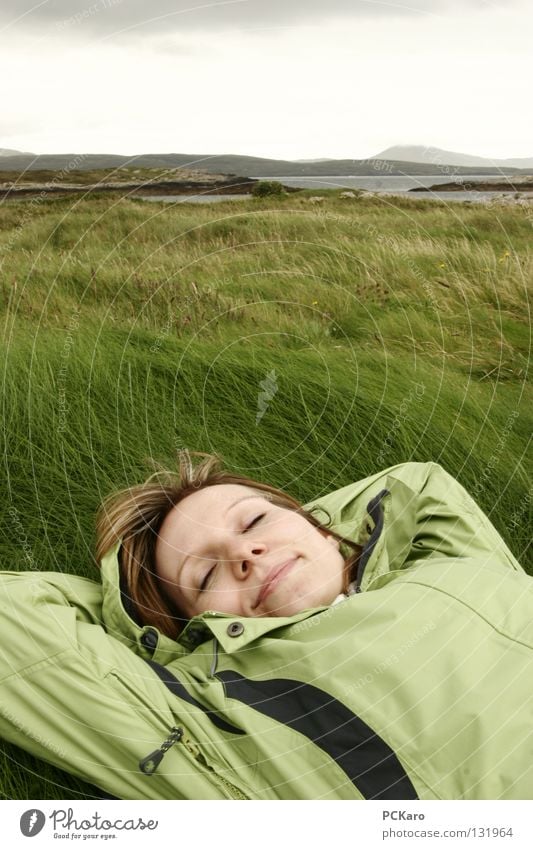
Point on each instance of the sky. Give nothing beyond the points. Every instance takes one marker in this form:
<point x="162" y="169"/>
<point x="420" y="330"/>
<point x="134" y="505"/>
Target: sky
<point x="284" y="79"/>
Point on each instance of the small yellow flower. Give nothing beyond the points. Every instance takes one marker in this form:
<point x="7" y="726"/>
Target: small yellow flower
<point x="314" y="304"/>
<point x="442" y="265"/>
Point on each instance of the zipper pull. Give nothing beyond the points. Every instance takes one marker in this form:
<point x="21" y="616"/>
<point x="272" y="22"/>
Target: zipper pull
<point x="149" y="764"/>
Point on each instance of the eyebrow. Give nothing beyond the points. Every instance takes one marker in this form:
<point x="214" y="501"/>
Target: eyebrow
<point x="239" y="500"/>
<point x="244" y="498"/>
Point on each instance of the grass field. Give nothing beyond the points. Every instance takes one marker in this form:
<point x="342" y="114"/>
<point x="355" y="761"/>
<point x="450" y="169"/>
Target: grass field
<point x="310" y="345"/>
<point x="95" y="175"/>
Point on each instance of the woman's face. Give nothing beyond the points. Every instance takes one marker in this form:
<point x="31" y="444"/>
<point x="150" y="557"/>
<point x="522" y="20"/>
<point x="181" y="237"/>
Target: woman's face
<point x="229" y="549"/>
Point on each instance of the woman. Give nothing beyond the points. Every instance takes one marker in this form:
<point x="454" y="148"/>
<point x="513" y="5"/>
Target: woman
<point x="377" y="643"/>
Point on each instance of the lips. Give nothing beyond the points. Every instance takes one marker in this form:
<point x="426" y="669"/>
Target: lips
<point x="273" y="578"/>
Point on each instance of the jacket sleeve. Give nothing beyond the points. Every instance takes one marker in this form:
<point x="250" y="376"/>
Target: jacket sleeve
<point x="442" y="519"/>
<point x="427" y="514"/>
<point x="78" y="698"/>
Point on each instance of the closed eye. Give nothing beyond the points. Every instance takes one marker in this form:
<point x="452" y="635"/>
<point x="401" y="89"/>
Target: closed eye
<point x="207" y="577"/>
<point x="254" y="521"/>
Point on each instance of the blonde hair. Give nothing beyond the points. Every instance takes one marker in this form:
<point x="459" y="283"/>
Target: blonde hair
<point x="134" y="517"/>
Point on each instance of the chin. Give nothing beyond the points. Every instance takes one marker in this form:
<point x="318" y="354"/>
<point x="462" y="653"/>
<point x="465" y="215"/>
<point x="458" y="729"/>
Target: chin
<point x="291" y="608"/>
<point x="288" y="609"/>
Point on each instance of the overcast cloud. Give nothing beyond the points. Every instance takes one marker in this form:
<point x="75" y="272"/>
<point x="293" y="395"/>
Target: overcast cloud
<point x="338" y="79"/>
<point x="114" y="17"/>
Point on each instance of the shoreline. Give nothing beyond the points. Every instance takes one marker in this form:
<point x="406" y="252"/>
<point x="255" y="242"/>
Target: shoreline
<point x="523" y="185"/>
<point x="230" y="185"/>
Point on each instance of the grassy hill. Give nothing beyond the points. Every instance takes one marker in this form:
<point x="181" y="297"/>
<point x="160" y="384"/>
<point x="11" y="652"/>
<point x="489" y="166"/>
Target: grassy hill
<point x="99" y="175"/>
<point x="245" y="166"/>
<point x="125" y="182"/>
<point x="396" y="329"/>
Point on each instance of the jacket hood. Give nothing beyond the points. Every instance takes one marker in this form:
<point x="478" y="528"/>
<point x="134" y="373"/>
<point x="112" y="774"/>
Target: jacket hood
<point x="356" y="511"/>
<point x="119" y="617"/>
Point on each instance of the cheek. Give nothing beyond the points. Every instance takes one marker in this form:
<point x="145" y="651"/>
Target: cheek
<point x="330" y="570"/>
<point x="170" y="591"/>
<point x="309" y="590"/>
<point x="164" y="557"/>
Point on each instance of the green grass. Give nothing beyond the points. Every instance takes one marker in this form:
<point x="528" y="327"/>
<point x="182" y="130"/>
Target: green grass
<point x="397" y="330"/>
<point x="92" y="176"/>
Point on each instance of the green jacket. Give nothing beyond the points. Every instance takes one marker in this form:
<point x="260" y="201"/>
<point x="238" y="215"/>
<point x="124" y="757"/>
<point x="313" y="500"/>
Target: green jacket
<point x="418" y="686"/>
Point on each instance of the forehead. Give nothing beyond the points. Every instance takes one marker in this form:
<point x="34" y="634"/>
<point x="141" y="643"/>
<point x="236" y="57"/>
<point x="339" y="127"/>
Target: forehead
<point x="202" y="510"/>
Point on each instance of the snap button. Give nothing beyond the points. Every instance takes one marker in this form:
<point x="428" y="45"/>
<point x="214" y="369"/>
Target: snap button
<point x="149" y="639"/>
<point x="235" y="629"/>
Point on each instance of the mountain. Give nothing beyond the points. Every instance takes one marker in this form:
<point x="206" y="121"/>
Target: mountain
<point x="434" y="155"/>
<point x="6" y="151"/>
<point x="244" y="166"/>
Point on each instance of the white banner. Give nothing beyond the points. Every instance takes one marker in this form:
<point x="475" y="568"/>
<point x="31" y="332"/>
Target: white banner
<point x="361" y="825"/>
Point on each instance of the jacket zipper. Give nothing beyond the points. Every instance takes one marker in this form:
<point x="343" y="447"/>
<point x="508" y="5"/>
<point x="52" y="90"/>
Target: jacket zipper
<point x="149" y="764"/>
<point x="233" y="791"/>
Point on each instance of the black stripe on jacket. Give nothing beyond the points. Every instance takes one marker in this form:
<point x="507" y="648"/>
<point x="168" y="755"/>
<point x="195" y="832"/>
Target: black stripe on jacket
<point x="370" y="764"/>
<point x="176" y="687"/>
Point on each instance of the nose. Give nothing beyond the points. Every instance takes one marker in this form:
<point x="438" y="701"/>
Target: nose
<point x="246" y="558"/>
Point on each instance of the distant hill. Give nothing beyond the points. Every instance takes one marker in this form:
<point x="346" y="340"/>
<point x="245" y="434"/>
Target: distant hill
<point x="243" y="166"/>
<point x="6" y="151"/>
<point x="435" y="155"/>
